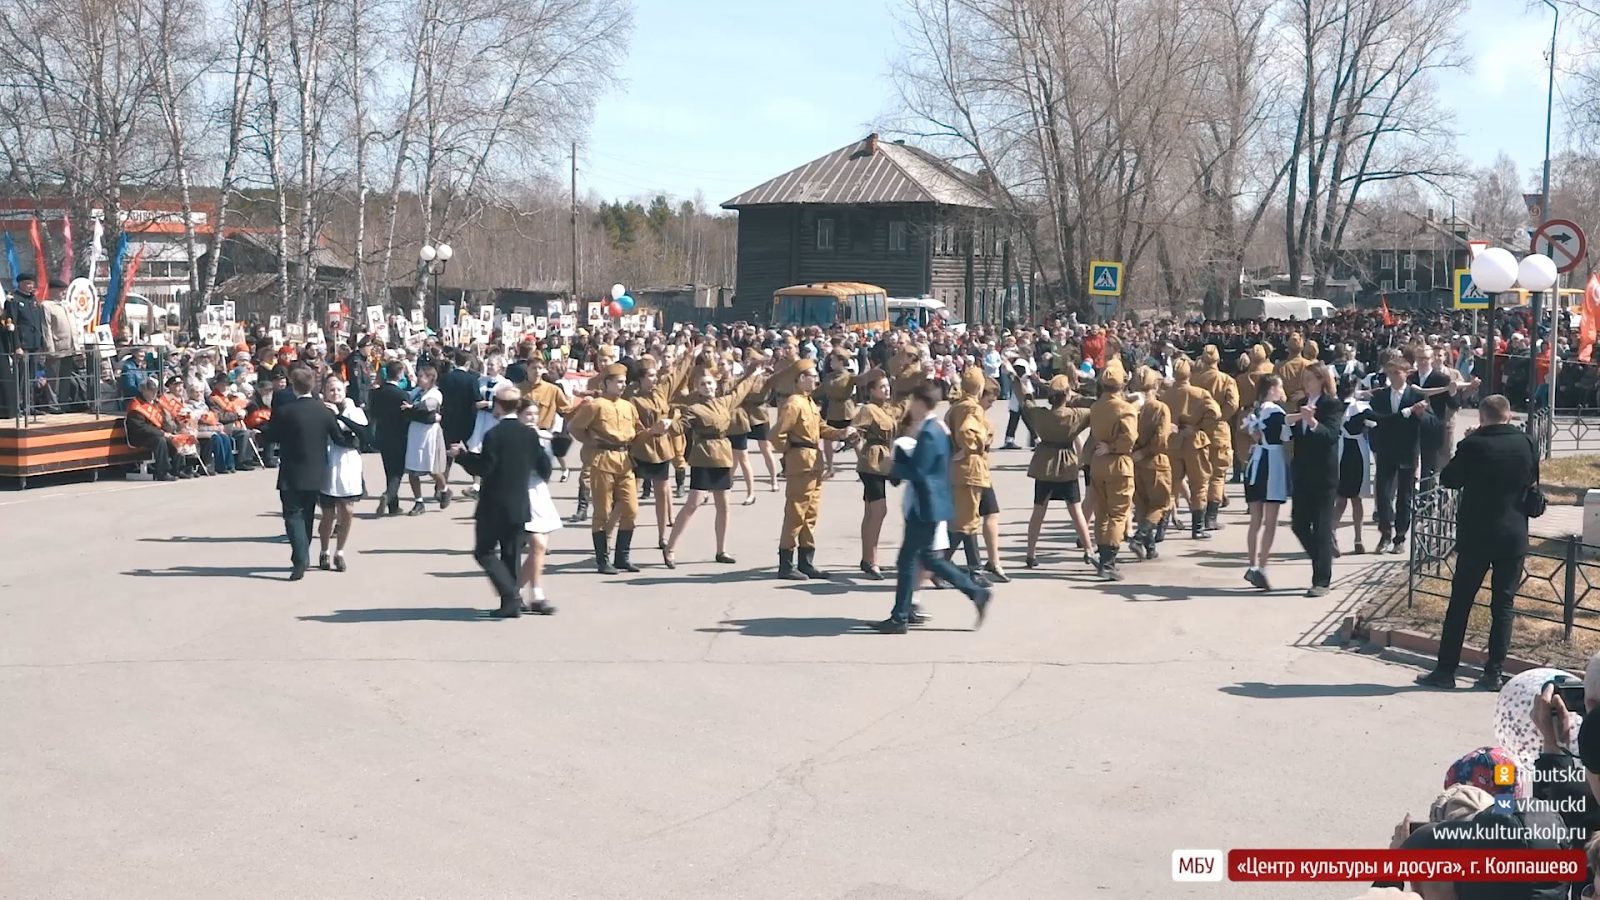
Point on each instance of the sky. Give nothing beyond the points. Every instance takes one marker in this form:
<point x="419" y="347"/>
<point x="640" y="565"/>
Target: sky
<point x="721" y="95"/>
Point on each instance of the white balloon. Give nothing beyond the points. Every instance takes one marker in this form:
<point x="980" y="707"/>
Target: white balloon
<point x="1513" y="714"/>
<point x="1536" y="272"/>
<point x="617" y="290"/>
<point x="1494" y="270"/>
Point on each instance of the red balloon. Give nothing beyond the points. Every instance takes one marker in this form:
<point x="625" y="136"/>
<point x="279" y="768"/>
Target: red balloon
<point x="615" y="309"/>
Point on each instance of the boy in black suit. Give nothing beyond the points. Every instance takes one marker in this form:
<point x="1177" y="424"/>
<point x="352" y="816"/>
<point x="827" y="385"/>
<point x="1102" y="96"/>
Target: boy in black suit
<point x="389" y="416"/>
<point x="301" y="428"/>
<point x="1401" y="411"/>
<point x="511" y="451"/>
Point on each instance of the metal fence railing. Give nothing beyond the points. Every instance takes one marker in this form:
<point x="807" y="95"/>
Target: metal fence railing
<point x="1570" y="431"/>
<point x="1560" y="577"/>
<point x="36" y="386"/>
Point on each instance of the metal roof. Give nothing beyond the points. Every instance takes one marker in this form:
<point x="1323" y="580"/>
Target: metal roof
<point x="869" y="171"/>
<point x="830" y="288"/>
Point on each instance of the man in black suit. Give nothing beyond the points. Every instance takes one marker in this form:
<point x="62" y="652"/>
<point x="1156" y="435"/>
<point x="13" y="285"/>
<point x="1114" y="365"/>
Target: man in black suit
<point x="1314" y="472"/>
<point x="458" y="411"/>
<point x="301" y="428"/>
<point x="1494" y="466"/>
<point x="385" y="404"/>
<point x="1400" y="410"/>
<point x="511" y="451"/>
<point x="1436" y="442"/>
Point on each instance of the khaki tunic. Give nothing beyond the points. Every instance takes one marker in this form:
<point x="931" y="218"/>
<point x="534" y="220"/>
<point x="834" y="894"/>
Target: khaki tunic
<point x="1195" y="414"/>
<point x="705" y="423"/>
<point x="1055" y="459"/>
<point x="878" y="424"/>
<point x="655" y="405"/>
<point x="551" y="400"/>
<point x="905" y="373"/>
<point x="1225" y="391"/>
<point x="838" y="397"/>
<point x="798" y="434"/>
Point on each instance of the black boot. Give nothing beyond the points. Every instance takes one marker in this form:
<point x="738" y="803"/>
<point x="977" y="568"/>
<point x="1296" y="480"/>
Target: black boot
<point x="1197" y="525"/>
<point x="1211" y="518"/>
<point x="1140" y="541"/>
<point x="786" y="568"/>
<point x="1150" y="544"/>
<point x="624" y="545"/>
<point x="1108" y="563"/>
<point x="582" y="511"/>
<point x="804" y="567"/>
<point x="602" y="554"/>
<point x="677" y="482"/>
<point x="647" y="489"/>
<point x="1161" y="528"/>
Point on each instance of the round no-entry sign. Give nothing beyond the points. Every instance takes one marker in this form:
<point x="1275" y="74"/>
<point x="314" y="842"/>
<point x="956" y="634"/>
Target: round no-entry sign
<point x="1561" y="240"/>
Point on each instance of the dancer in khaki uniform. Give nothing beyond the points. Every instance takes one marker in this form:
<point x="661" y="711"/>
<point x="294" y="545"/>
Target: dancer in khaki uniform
<point x="750" y="425"/>
<point x="1209" y="377"/>
<point x="798" y="433"/>
<point x="1054" y="467"/>
<point x="607" y="356"/>
<point x="607" y="426"/>
<point x="1152" y="470"/>
<point x="838" y="399"/>
<point x="652" y="395"/>
<point x="972" y="492"/>
<point x="1195" y="415"/>
<point x="877" y="424"/>
<point x="1113" y="423"/>
<point x="706" y="417"/>
<point x="1289" y="370"/>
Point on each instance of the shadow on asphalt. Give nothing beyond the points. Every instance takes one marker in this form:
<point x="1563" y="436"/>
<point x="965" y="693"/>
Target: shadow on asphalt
<point x="217" y="539"/>
<point x="475" y="573"/>
<point x="781" y="627"/>
<point x="419" y="551"/>
<point x="212" y="572"/>
<point x="401" y="614"/>
<point x="1262" y="691"/>
<point x="1140" y="593"/>
<point x="716" y="576"/>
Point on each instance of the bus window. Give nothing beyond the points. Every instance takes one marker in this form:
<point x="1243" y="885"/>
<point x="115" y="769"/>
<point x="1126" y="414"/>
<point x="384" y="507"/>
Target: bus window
<point x="863" y="313"/>
<point x="847" y="310"/>
<point x="877" y="307"/>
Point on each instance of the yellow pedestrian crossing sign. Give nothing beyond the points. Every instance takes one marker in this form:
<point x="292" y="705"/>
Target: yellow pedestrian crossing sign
<point x="1467" y="294"/>
<point x="1105" y="278"/>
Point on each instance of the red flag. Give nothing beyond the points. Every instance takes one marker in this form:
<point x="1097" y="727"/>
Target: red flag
<point x="127" y="282"/>
<point x="66" y="243"/>
<point x="39" y="271"/>
<point x="1388" y="317"/>
<point x="1590" y="326"/>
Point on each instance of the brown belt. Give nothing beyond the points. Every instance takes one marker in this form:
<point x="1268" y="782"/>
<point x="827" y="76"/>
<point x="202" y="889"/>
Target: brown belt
<point x="802" y="445"/>
<point x="609" y="445"/>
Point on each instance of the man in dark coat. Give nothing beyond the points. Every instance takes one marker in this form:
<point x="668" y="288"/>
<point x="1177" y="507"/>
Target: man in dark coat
<point x="1493" y="467"/>
<point x="1401" y="412"/>
<point x="511" y="452"/>
<point x="301" y="428"/>
<point x="391" y="422"/>
<point x="1314" y="474"/>
<point x="24" y="335"/>
<point x="458" y="412"/>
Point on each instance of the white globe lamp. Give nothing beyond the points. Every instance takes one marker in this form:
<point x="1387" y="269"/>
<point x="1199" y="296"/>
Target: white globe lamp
<point x="1494" y="270"/>
<point x="445" y="252"/>
<point x="427" y="253"/>
<point x="1536" y="272"/>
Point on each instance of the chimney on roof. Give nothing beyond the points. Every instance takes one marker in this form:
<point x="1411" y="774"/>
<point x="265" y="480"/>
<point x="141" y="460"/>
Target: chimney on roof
<point x="872" y="144"/>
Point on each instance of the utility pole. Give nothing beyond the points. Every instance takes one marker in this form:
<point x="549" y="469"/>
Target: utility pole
<point x="1544" y="214"/>
<point x="574" y="222"/>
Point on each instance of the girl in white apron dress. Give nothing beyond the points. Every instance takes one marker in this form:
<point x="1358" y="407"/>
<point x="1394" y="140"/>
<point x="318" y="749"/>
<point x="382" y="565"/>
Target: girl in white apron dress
<point x="425" y="449"/>
<point x="343" y="482"/>
<point x="1266" y="484"/>
<point x="490" y="381"/>
<point x="1355" y="464"/>
<point x="545" y="518"/>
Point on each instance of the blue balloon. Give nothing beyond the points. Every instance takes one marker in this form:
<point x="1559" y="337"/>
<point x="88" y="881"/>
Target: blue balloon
<point x="626" y="301"/>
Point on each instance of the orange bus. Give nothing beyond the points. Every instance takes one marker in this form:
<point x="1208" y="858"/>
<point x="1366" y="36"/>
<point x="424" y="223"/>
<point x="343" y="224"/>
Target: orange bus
<point x="856" y="306"/>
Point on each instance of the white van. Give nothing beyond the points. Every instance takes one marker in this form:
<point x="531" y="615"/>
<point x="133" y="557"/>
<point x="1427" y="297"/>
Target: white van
<point x="924" y="311"/>
<point x="1279" y="306"/>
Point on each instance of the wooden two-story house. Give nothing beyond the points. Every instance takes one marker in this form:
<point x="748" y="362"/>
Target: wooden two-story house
<point x="880" y="212"/>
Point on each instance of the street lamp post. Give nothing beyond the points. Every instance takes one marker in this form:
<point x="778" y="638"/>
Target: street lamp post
<point x="1494" y="272"/>
<point x="434" y="260"/>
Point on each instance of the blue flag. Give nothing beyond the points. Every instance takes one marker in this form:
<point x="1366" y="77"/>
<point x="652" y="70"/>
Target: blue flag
<point x="108" y="308"/>
<point x="11" y="260"/>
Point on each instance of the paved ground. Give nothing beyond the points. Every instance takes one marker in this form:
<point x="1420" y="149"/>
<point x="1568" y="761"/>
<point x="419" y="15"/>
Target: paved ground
<point x="179" y="721"/>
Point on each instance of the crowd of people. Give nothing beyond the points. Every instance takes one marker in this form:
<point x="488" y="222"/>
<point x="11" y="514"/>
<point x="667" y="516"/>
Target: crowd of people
<point x="1137" y="428"/>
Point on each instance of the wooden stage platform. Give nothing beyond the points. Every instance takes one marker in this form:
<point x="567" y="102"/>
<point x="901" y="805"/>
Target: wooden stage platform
<point x="70" y="442"/>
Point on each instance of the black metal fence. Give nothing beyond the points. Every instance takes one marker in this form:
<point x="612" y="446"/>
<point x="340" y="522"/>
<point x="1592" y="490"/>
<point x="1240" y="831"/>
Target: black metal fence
<point x="1571" y="431"/>
<point x="1560" y="576"/>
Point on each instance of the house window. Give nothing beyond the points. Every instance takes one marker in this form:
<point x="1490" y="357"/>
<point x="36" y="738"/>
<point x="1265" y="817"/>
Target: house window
<point x="860" y="234"/>
<point x="1411" y="284"/>
<point x="1386" y="261"/>
<point x="824" y="234"/>
<point x="1386" y="285"/>
<point x="1411" y="260"/>
<point x="897" y="237"/>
